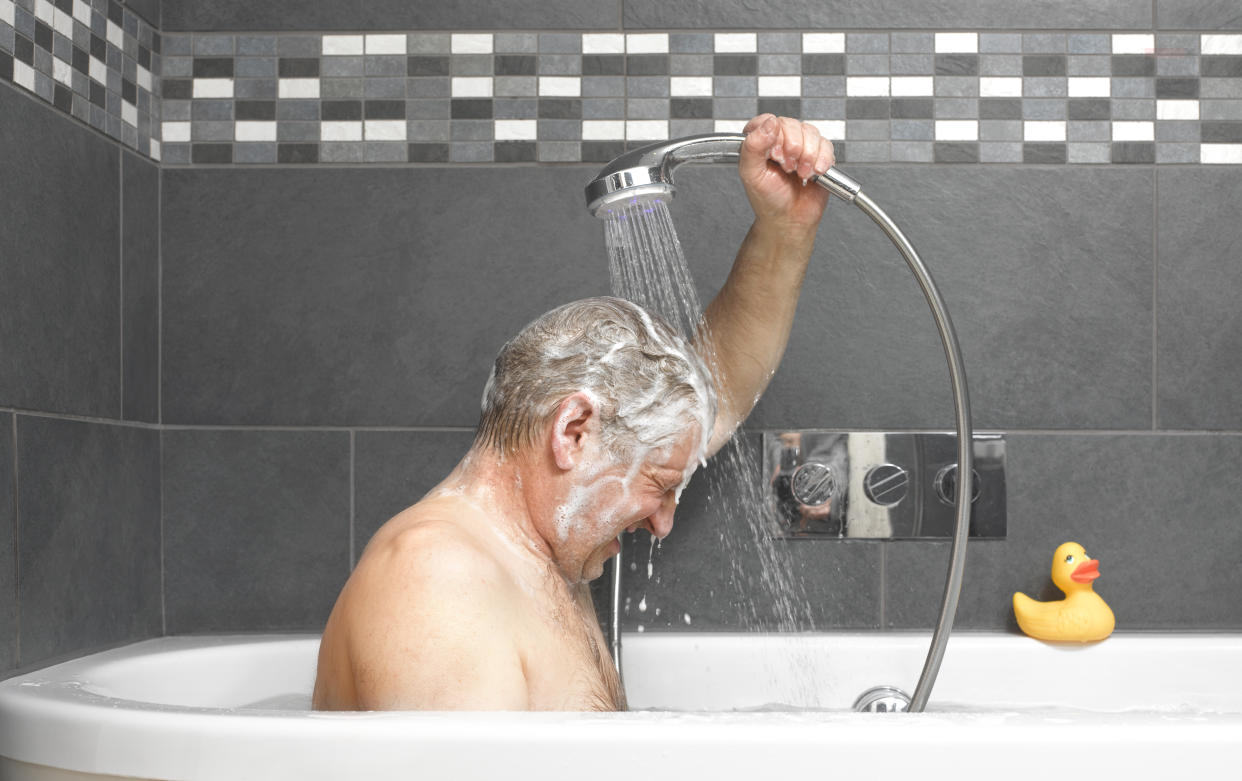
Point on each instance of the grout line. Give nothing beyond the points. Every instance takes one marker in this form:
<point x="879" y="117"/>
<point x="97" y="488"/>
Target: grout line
<point x="1155" y="303"/>
<point x="80" y="418"/>
<point x="120" y="192"/>
<point x="352" y="472"/>
<point x="17" y="559"/>
<point x="163" y="576"/>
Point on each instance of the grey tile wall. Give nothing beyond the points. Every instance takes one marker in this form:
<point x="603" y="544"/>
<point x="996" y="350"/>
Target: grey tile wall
<point x="394" y="469"/>
<point x="8" y="548"/>
<point x="1198" y="15"/>
<point x="59" y="244"/>
<point x="1158" y="510"/>
<point x="256" y="528"/>
<point x="344" y="273"/>
<point x="140" y="323"/>
<point x="1199" y="334"/>
<point x="89" y="535"/>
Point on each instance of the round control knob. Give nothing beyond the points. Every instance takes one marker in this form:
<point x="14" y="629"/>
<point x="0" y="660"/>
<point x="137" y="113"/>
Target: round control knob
<point x="813" y="484"/>
<point x="886" y="484"/>
<point x="946" y="484"/>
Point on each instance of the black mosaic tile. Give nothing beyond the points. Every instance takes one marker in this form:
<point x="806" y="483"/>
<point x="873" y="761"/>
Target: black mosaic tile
<point x="6" y="66"/>
<point x="1043" y="65"/>
<point x="420" y="65"/>
<point x="823" y="64"/>
<point x="81" y="61"/>
<point x="65" y="5"/>
<point x="867" y="108"/>
<point x="116" y="14"/>
<point x="62" y="98"/>
<point x="1220" y="65"/>
<point x="23" y="50"/>
<point x="98" y="94"/>
<point x="472" y="108"/>
<point x="1221" y="132"/>
<point x="781" y="107"/>
<point x="429" y="153"/>
<point x="385" y="109"/>
<point x="1090" y="109"/>
<point x="211" y="154"/>
<point x="43" y="36"/>
<point x="601" y="151"/>
<point x="515" y="64"/>
<point x="603" y="65"/>
<point x="1042" y="153"/>
<point x="177" y="89"/>
<point x="1142" y="152"/>
<point x="298" y="67"/>
<point x="1000" y="108"/>
<point x="1133" y="65"/>
<point x="213" y="67"/>
<point x="99" y="48"/>
<point x="690" y="108"/>
<point x="255" y="110"/>
<point x="515" y="152"/>
<point x="957" y="65"/>
<point x="560" y="108"/>
<point x="735" y="64"/>
<point x="1177" y="89"/>
<point x="912" y="108"/>
<point x="297" y="153"/>
<point x="144" y="57"/>
<point x="340" y="110"/>
<point x="955" y="152"/>
<point x="647" y="65"/>
<point x="129" y="91"/>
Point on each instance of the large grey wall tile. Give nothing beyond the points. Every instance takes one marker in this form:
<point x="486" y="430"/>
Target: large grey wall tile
<point x="256" y="528"/>
<point x="140" y="282"/>
<point x="184" y="15"/>
<point x="886" y="14"/>
<point x="394" y="469"/>
<point x="1047" y="275"/>
<point x="1160" y="512"/>
<point x="8" y="549"/>
<point x="89" y="535"/>
<point x="351" y="297"/>
<point x="59" y="311"/>
<point x="712" y="569"/>
<point x="1199" y="326"/>
<point x="1198" y="15"/>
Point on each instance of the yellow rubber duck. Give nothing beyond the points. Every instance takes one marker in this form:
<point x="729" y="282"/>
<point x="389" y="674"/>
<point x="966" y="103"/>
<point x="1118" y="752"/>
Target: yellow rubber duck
<point x="1082" y="617"/>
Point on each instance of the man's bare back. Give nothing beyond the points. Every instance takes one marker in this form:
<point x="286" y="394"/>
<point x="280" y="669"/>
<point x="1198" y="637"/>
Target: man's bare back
<point x="444" y="613"/>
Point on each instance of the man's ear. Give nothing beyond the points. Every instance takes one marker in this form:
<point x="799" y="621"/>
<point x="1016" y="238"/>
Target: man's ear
<point x="575" y="420"/>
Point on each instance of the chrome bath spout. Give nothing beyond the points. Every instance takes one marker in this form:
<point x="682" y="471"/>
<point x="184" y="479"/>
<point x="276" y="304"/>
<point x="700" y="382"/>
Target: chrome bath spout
<point x="648" y="173"/>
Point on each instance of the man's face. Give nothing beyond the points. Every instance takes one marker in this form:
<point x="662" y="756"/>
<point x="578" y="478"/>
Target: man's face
<point x="616" y="497"/>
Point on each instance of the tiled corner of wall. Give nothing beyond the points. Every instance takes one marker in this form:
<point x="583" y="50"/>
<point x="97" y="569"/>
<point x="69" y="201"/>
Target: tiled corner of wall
<point x="97" y="61"/>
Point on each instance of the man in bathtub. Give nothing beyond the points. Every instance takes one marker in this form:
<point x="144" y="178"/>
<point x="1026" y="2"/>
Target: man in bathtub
<point x="594" y="419"/>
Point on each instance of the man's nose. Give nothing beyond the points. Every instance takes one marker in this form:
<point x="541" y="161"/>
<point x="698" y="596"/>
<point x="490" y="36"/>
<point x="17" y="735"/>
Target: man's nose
<point x="661" y="521"/>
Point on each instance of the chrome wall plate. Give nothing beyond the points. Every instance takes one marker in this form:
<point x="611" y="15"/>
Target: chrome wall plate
<point x="879" y="485"/>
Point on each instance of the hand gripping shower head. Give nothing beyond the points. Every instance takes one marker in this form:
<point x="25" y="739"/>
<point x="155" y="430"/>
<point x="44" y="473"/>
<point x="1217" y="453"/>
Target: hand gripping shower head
<point x="647" y="173"/>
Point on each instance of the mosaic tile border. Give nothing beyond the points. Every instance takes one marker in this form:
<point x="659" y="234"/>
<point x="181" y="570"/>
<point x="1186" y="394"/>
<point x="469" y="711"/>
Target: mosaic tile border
<point x="521" y="97"/>
<point x="97" y="61"/>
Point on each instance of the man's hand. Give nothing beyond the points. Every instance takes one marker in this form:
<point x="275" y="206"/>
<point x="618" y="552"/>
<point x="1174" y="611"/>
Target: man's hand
<point x="779" y="154"/>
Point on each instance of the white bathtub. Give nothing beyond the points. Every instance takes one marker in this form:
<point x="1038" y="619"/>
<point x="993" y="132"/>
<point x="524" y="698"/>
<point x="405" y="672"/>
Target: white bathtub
<point x="1148" y="706"/>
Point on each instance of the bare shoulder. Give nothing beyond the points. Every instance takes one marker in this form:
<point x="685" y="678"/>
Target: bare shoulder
<point x="429" y="613"/>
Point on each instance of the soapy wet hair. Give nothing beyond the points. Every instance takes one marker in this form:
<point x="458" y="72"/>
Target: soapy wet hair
<point x="649" y="384"/>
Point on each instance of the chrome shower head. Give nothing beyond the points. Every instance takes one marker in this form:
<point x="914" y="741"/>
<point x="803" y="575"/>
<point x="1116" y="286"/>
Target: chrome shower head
<point x="647" y="172"/>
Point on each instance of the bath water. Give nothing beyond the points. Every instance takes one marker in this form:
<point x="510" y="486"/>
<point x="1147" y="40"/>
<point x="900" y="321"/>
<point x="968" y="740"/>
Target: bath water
<point x="648" y="267"/>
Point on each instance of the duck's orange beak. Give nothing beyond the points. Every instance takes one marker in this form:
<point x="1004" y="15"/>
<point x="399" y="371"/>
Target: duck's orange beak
<point x="1086" y="572"/>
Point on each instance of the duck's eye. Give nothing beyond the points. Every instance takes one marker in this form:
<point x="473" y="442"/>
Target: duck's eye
<point x="1069" y="559"/>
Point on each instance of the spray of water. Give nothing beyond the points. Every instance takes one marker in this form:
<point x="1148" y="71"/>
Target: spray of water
<point x="648" y="267"/>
